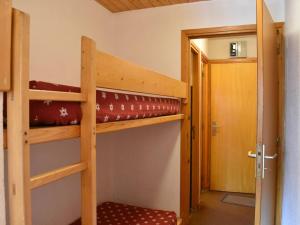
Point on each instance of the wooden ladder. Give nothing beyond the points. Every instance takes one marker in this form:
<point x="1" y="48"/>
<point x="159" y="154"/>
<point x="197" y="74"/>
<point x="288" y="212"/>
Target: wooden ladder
<point x="20" y="182"/>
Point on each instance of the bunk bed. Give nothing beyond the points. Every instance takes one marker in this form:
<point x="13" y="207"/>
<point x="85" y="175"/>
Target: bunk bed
<point x="27" y="123"/>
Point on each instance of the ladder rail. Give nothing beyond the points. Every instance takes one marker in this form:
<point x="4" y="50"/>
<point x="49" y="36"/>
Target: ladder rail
<point x="20" y="136"/>
<point x="18" y="124"/>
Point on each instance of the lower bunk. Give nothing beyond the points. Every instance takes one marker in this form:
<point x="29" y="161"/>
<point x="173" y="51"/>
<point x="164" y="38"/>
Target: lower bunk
<point x="110" y="213"/>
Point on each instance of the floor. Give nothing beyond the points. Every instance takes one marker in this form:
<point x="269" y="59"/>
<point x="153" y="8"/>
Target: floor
<point x="213" y="211"/>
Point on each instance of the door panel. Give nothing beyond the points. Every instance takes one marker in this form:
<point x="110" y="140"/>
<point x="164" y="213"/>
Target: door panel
<point x="233" y="113"/>
<point x="267" y="127"/>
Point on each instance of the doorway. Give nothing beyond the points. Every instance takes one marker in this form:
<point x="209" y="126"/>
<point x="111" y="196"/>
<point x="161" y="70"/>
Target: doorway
<point x="223" y="103"/>
<point x="186" y="161"/>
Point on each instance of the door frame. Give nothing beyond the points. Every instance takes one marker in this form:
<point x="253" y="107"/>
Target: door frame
<point x="196" y="139"/>
<point x="186" y="36"/>
<point x="199" y="121"/>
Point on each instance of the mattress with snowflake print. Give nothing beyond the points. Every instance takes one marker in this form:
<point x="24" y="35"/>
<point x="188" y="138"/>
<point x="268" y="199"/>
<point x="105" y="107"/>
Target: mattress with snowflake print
<point x="110" y="213"/>
<point x="110" y="106"/>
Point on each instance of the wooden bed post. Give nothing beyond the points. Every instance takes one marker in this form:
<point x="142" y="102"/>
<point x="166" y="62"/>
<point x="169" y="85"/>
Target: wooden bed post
<point x="18" y="125"/>
<point x="88" y="132"/>
<point x="5" y="44"/>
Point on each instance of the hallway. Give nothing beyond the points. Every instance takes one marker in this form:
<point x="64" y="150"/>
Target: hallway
<point x="213" y="211"/>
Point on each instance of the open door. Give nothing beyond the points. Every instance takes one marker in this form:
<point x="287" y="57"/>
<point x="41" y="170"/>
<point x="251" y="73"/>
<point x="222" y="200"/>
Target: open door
<point x="267" y="126"/>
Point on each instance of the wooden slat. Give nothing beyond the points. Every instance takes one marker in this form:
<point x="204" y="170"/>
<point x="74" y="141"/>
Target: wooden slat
<point x="55" y="175"/>
<point x="56" y="95"/>
<point x="115" y="6"/>
<point x="221" y="31"/>
<point x="122" y="125"/>
<point x="48" y="134"/>
<point x="18" y="125"/>
<point x="88" y="132"/>
<point x="5" y="44"/>
<point x="115" y="73"/>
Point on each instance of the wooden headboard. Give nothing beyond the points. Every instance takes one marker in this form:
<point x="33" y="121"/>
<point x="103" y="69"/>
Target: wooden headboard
<point x="118" y="74"/>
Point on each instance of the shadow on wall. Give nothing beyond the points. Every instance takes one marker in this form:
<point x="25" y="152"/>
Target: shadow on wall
<point x="147" y="167"/>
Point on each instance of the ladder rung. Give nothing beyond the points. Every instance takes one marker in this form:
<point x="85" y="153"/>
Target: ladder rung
<point x="55" y="175"/>
<point x="56" y="96"/>
<point x="47" y="134"/>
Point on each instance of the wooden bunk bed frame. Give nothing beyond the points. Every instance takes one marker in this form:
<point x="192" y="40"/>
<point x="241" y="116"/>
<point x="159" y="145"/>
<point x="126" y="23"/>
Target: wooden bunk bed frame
<point x="97" y="70"/>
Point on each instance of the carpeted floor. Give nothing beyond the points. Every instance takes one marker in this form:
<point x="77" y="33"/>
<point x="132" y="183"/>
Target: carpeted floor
<point x="213" y="211"/>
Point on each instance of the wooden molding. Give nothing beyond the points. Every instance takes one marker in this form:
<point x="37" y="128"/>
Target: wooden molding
<point x="185" y="133"/>
<point x="281" y="150"/>
<point x="235" y="60"/>
<point x="220" y="31"/>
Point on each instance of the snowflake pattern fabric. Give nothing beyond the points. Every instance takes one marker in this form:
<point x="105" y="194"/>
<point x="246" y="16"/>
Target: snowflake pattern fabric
<point x="110" y="107"/>
<point x="110" y="213"/>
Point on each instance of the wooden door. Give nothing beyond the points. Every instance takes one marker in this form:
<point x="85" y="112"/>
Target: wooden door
<point x="267" y="126"/>
<point x="233" y="126"/>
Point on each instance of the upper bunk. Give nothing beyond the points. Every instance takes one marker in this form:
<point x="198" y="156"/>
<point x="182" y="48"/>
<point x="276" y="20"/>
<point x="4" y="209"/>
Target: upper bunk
<point x="100" y="70"/>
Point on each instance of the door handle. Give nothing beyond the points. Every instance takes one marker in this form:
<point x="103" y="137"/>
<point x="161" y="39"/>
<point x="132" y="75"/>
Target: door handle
<point x="271" y="157"/>
<point x="251" y="154"/>
<point x="261" y="159"/>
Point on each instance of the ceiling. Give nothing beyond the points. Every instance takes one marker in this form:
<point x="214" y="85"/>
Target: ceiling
<point x="126" y="5"/>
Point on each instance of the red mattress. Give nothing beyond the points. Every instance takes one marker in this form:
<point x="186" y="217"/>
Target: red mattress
<point x="110" y="213"/>
<point x="110" y="106"/>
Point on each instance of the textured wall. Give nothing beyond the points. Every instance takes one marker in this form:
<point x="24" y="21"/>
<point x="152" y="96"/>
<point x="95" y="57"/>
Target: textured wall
<point x="291" y="196"/>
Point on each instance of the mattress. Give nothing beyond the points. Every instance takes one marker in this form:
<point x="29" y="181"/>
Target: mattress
<point x="110" y="213"/>
<point x="110" y="106"/>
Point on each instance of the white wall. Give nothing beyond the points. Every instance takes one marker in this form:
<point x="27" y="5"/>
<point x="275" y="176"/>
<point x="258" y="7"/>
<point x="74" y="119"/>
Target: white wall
<point x="291" y="195"/>
<point x="56" y="29"/>
<point x="151" y="38"/>
<point x="202" y="44"/>
<point x="276" y="8"/>
<point x="218" y="48"/>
